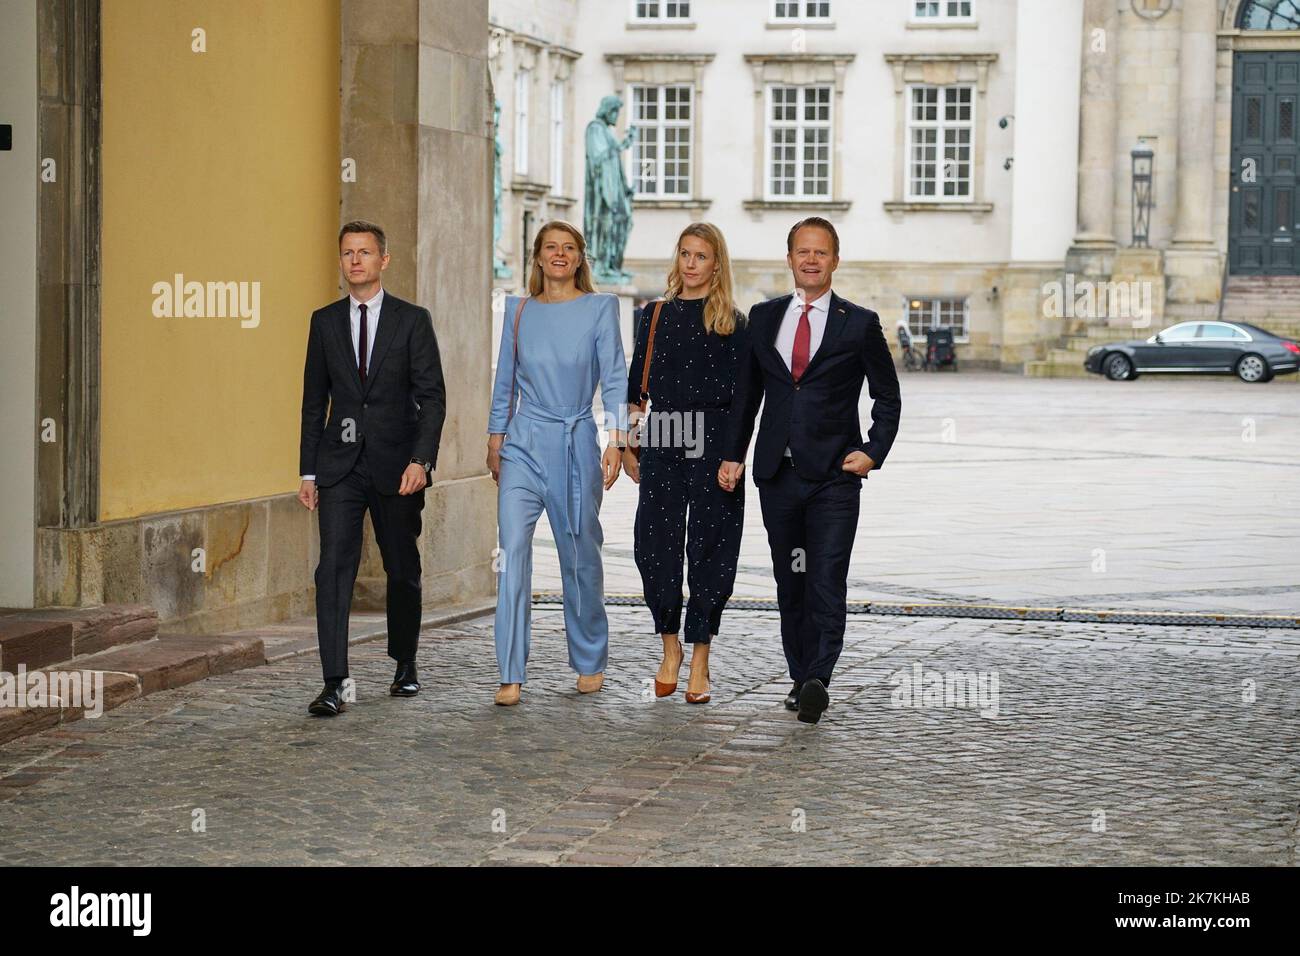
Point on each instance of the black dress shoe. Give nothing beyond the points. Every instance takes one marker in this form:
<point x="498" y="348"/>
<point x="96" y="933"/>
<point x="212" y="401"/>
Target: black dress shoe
<point x="792" y="698"/>
<point x="813" y="700"/>
<point x="328" y="702"/>
<point x="407" y="681"/>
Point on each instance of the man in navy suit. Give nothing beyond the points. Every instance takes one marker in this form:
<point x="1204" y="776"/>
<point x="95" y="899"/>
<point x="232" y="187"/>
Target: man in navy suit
<point x="373" y="407"/>
<point x="807" y="356"/>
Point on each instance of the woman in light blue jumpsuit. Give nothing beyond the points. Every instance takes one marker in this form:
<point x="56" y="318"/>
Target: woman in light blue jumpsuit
<point x="544" y="451"/>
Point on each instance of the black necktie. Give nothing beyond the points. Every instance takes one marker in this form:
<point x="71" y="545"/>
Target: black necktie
<point x="361" y="352"/>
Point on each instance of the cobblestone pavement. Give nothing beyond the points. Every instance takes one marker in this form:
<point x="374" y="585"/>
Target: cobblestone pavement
<point x="1110" y="744"/>
<point x="1163" y="493"/>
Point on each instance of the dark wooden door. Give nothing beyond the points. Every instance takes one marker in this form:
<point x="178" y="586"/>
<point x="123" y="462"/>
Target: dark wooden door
<point x="1263" y="217"/>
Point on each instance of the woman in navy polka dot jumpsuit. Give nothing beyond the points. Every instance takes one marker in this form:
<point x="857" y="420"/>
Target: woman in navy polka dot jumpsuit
<point x="681" y="510"/>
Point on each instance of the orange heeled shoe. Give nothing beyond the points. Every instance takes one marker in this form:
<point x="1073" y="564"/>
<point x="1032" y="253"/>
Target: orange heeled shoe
<point x="663" y="689"/>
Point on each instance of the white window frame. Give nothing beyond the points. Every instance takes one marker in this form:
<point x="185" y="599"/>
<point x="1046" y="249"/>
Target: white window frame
<point x="801" y="125"/>
<point x="942" y="16"/>
<point x="940" y="124"/>
<point x="802" y="15"/>
<point x="662" y="16"/>
<point x="523" y="97"/>
<point x="662" y="124"/>
<point x="558" y="91"/>
<point x="934" y="303"/>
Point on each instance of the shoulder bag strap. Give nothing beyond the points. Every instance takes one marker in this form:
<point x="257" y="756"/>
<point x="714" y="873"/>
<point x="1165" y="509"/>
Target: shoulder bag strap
<point x="649" y="351"/>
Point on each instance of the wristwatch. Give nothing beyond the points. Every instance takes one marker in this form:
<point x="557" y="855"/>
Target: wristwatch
<point x="426" y="465"/>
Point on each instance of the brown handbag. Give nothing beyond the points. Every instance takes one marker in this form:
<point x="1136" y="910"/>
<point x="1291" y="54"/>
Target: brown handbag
<point x="635" y="447"/>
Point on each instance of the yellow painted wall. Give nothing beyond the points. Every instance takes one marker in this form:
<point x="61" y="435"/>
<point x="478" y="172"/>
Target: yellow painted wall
<point x="222" y="166"/>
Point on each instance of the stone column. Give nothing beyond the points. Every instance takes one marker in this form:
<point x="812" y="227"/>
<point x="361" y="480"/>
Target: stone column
<point x="1192" y="262"/>
<point x="1094" y="240"/>
<point x="1196" y="76"/>
<point x="416" y="117"/>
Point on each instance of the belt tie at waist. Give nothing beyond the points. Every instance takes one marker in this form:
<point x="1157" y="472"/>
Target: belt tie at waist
<point x="573" y="473"/>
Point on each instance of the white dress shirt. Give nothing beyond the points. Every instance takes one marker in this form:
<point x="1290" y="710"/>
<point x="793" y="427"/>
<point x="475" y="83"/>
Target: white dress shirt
<point x="821" y="308"/>
<point x="372" y="326"/>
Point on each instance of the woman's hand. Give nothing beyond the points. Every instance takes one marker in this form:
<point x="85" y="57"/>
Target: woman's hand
<point x="494" y="456"/>
<point x="632" y="465"/>
<point x="729" y="474"/>
<point x="610" y="463"/>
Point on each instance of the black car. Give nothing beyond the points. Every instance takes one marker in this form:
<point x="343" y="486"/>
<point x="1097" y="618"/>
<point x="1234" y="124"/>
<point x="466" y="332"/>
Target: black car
<point x="1247" y="351"/>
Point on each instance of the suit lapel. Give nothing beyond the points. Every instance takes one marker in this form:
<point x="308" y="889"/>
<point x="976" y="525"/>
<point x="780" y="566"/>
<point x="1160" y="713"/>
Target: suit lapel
<point x="383" y="337"/>
<point x="776" y="315"/>
<point x="837" y="314"/>
<point x="342" y="325"/>
<point x="779" y="308"/>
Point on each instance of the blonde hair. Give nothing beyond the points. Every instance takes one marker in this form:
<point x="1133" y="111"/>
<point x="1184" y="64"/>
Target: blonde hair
<point x="720" y="306"/>
<point x="581" y="278"/>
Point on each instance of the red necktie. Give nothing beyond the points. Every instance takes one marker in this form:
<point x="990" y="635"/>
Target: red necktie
<point x="802" y="341"/>
<point x="361" y="352"/>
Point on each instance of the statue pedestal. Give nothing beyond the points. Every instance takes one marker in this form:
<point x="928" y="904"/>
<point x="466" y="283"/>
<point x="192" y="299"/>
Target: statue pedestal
<point x="627" y="296"/>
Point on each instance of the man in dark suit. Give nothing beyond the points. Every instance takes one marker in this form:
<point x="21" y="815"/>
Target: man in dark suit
<point x="806" y="358"/>
<point x="372" y="359"/>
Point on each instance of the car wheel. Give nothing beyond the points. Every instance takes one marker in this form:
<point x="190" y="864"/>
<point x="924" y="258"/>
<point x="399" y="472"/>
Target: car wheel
<point x="1118" y="368"/>
<point x="1252" y="368"/>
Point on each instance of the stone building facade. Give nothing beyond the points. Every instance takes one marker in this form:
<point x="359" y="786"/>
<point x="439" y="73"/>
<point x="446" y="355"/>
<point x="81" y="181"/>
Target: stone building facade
<point x="151" y="458"/>
<point x="977" y="155"/>
<point x="531" y="57"/>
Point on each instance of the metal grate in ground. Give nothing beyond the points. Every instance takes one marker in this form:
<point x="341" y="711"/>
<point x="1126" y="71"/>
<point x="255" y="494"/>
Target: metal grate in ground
<point x="996" y="611"/>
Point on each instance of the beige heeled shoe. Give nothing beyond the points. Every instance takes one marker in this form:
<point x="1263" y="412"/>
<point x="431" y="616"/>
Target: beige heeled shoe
<point x="702" y="698"/>
<point x="699" y="697"/>
<point x="590" y="683"/>
<point x="508" y="695"/>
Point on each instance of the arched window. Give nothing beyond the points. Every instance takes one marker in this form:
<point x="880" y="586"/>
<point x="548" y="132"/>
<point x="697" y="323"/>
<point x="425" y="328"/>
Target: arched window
<point x="1269" y="15"/>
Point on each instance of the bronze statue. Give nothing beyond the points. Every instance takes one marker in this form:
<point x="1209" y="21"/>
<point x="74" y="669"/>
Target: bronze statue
<point x="607" y="208"/>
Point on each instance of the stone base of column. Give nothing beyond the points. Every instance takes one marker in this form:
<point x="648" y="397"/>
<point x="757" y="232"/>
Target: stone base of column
<point x="1137" y="297"/>
<point x="1091" y="259"/>
<point x="1194" y="275"/>
<point x="1027" y="328"/>
<point x="259" y="558"/>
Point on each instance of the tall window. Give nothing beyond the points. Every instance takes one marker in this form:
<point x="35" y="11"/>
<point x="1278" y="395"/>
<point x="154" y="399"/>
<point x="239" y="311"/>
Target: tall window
<point x="661" y="10"/>
<point x="523" y="91"/>
<point x="662" y="154"/>
<point x="940" y="137"/>
<point x="801" y="9"/>
<point x="798" y="142"/>
<point x="943" y="9"/>
<point x="925" y="313"/>
<point x="557" y="137"/>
